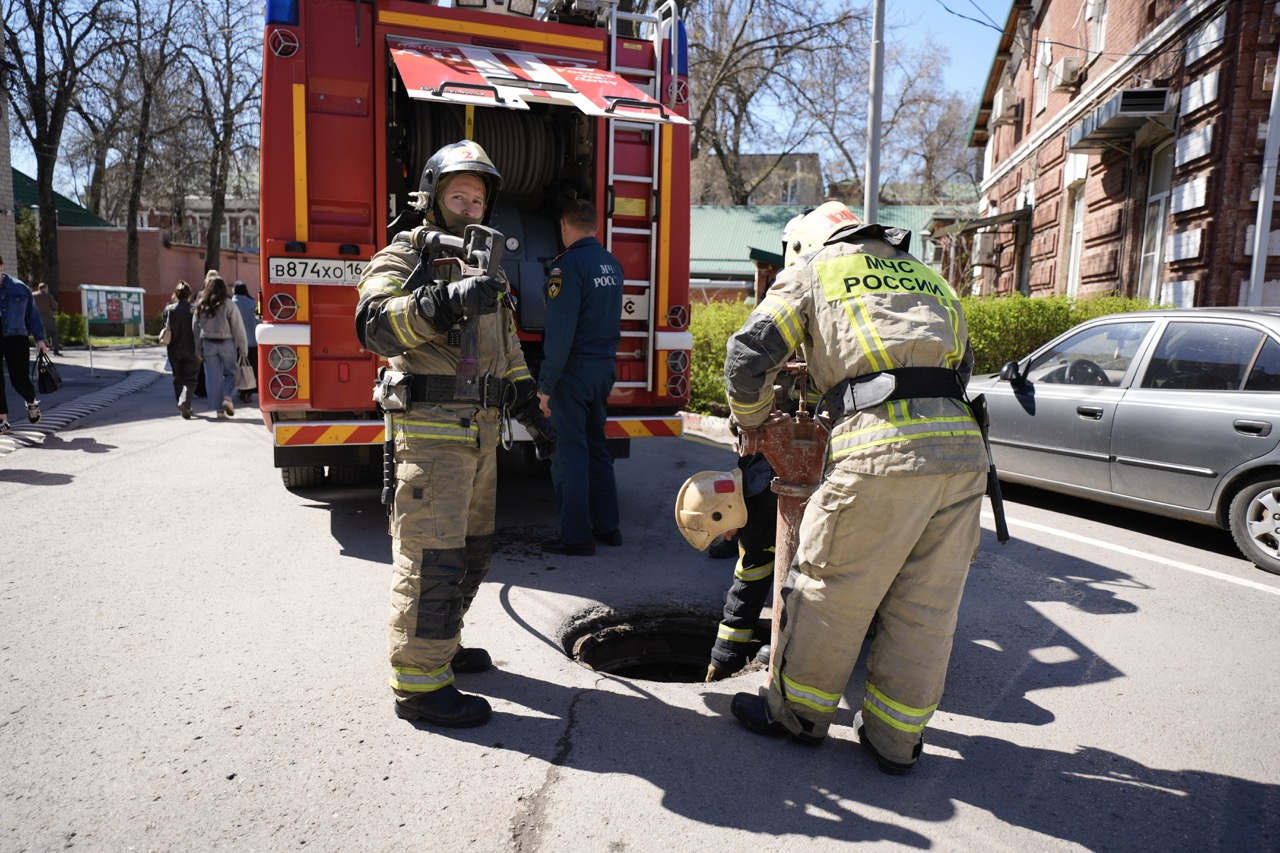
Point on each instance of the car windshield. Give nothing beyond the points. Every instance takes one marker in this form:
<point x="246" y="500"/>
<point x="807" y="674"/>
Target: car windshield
<point x="1099" y="355"/>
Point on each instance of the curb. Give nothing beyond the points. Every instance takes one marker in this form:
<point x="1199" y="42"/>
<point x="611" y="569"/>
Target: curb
<point x="708" y="426"/>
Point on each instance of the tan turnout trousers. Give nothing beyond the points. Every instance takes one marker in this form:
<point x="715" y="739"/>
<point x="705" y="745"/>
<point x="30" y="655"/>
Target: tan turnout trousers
<point x="901" y="545"/>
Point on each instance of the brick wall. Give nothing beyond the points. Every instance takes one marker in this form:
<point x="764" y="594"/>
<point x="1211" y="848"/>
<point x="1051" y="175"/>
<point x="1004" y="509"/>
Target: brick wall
<point x="97" y="256"/>
<point x="1219" y="66"/>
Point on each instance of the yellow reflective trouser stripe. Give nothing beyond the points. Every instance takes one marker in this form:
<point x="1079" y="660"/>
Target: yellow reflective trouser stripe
<point x="733" y="635"/>
<point x="909" y="430"/>
<point x="754" y="573"/>
<point x="811" y="697"/>
<point x="442" y="430"/>
<point x="399" y="312"/>
<point x="901" y="717"/>
<point x="410" y="679"/>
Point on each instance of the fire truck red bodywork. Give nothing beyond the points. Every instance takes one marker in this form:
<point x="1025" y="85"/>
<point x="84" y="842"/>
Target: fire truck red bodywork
<point x="356" y="97"/>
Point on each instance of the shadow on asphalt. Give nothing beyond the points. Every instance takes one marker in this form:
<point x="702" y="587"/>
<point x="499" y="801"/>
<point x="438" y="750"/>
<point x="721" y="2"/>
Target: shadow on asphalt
<point x="1187" y="533"/>
<point x="28" y="477"/>
<point x="725" y="776"/>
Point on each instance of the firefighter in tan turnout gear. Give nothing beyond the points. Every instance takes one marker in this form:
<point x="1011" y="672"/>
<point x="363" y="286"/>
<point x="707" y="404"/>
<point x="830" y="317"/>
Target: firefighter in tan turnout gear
<point x="445" y="479"/>
<point x="893" y="526"/>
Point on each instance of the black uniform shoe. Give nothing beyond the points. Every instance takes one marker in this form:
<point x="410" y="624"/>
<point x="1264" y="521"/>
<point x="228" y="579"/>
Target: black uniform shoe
<point x="613" y="540"/>
<point x="559" y="546"/>
<point x="893" y="768"/>
<point x="471" y="660"/>
<point x="753" y="712"/>
<point x="447" y="707"/>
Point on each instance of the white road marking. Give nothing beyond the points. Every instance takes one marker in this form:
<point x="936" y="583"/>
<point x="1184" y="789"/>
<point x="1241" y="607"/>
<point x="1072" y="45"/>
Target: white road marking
<point x="1120" y="549"/>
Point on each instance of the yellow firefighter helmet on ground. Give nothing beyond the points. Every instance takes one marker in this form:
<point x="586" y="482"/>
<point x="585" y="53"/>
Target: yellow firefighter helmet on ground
<point x="809" y="232"/>
<point x="710" y="503"/>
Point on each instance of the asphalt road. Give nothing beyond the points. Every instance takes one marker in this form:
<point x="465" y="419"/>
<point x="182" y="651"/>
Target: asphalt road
<point x="194" y="659"/>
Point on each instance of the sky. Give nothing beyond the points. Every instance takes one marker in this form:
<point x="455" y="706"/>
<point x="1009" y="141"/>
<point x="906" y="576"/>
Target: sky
<point x="968" y="29"/>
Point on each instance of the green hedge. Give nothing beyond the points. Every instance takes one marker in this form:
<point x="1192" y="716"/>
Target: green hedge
<point x="1008" y="327"/>
<point x="711" y="326"/>
<point x="1001" y="329"/>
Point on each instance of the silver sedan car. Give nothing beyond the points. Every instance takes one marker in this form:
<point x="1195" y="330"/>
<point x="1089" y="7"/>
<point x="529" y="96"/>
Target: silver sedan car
<point x="1175" y="412"/>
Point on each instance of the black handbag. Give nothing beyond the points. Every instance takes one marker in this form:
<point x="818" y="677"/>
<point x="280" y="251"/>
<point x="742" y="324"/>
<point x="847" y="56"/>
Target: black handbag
<point x="45" y="375"/>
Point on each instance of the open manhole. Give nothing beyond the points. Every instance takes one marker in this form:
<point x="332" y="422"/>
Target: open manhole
<point x="671" y="647"/>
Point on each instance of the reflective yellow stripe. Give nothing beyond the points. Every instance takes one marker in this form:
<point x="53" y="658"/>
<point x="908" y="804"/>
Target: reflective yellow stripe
<point x="410" y="679"/>
<point x="400" y="311"/>
<point x="842" y="444"/>
<point x="754" y="573"/>
<point x="810" y="697"/>
<point x="784" y="319"/>
<point x="747" y="411"/>
<point x="517" y="372"/>
<point x="901" y="717"/>
<point x="865" y="325"/>
<point x="733" y="635"/>
<point x="442" y="430"/>
<point x="301" y="219"/>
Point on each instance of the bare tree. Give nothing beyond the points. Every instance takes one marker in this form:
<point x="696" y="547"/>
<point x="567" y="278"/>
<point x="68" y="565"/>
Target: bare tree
<point x="924" y="126"/>
<point x="156" y="49"/>
<point x="48" y="46"/>
<point x="746" y="62"/>
<point x="225" y="70"/>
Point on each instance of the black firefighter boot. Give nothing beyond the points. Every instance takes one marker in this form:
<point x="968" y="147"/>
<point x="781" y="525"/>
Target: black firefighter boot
<point x="447" y="707"/>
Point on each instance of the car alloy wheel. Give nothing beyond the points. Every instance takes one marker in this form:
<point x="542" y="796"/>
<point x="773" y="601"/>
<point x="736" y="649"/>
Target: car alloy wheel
<point x="1255" y="523"/>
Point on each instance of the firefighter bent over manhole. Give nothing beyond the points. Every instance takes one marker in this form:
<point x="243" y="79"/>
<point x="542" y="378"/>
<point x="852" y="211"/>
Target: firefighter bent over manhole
<point x="670" y="647"/>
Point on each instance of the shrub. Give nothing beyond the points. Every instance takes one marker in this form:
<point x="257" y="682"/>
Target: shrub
<point x="1006" y="328"/>
<point x="72" y="329"/>
<point x="711" y="325"/>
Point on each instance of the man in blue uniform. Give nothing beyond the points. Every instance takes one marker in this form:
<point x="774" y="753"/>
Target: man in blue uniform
<point x="583" y="327"/>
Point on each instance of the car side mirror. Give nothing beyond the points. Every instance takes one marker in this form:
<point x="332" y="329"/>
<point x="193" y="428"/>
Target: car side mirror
<point x="1011" y="374"/>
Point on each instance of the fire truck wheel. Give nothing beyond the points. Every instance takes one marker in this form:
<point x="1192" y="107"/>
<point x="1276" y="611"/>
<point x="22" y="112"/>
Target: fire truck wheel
<point x="354" y="475"/>
<point x="302" y="476"/>
<point x="540" y="468"/>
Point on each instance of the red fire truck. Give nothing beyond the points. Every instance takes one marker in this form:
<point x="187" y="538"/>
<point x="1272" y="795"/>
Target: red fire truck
<point x="568" y="98"/>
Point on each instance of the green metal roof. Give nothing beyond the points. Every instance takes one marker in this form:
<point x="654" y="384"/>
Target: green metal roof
<point x="26" y="196"/>
<point x="722" y="238"/>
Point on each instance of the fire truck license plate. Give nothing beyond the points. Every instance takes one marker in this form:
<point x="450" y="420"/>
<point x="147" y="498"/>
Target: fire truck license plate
<point x="314" y="271"/>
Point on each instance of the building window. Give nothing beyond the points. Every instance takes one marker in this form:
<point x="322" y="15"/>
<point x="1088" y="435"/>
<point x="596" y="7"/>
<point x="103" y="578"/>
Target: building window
<point x="1044" y="64"/>
<point x="1075" y="241"/>
<point x="1096" y="14"/>
<point x="1151" y="266"/>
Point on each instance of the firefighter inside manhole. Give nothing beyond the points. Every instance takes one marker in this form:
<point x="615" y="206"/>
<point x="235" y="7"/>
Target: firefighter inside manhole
<point x="668" y="648"/>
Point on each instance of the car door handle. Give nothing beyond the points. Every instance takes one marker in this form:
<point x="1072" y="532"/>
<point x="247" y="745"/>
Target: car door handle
<point x="1092" y="412"/>
<point x="1258" y="428"/>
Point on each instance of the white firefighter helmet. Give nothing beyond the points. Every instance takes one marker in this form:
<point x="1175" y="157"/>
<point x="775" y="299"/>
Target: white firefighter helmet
<point x="809" y="232"/>
<point x="710" y="503"/>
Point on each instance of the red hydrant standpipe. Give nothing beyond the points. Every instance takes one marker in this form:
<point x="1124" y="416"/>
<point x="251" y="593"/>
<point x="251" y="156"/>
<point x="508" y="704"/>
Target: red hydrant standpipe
<point x="796" y="447"/>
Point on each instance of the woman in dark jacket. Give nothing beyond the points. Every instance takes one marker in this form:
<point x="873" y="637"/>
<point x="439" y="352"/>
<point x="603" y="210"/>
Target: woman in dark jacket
<point x="182" y="347"/>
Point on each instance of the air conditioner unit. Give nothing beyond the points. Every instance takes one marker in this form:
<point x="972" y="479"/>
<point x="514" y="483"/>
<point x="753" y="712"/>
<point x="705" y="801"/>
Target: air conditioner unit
<point x="1065" y="74"/>
<point x="1004" y="106"/>
<point x="984" y="250"/>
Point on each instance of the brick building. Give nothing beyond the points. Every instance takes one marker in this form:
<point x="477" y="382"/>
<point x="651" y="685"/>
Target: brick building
<point x="1125" y="143"/>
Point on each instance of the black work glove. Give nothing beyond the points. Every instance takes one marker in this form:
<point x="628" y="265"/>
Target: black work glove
<point x="543" y="433"/>
<point x="539" y="426"/>
<point x="444" y="304"/>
